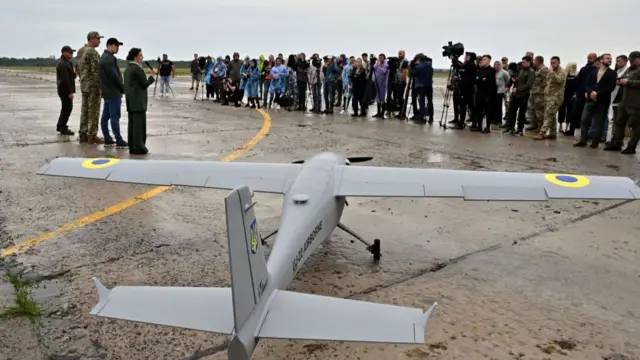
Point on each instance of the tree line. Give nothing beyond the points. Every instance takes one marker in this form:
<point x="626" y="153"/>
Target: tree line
<point x="45" y="62"/>
<point x="52" y="60"/>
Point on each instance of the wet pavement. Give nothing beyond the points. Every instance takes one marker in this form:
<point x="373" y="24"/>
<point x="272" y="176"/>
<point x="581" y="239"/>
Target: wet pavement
<point x="513" y="280"/>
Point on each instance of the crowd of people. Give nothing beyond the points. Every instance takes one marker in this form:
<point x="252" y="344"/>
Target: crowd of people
<point x="503" y="94"/>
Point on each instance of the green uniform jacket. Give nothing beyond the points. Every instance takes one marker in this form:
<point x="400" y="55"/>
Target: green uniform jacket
<point x="135" y="88"/>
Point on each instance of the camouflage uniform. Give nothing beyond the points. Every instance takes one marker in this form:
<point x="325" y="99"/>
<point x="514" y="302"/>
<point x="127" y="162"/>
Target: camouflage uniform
<point x="88" y="65"/>
<point x="535" y="107"/>
<point x="553" y="98"/>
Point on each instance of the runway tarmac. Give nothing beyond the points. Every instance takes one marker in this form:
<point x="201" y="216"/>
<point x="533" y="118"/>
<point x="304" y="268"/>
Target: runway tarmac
<point x="521" y="280"/>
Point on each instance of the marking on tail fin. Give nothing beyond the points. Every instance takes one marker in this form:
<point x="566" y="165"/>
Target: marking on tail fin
<point x="254" y="237"/>
<point x="249" y="276"/>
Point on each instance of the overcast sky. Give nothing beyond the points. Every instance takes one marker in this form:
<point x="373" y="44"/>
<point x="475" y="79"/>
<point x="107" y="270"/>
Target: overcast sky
<point x="569" y="29"/>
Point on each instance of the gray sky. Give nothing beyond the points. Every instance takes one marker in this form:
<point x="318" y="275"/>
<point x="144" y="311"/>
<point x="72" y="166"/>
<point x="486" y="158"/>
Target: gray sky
<point x="509" y="28"/>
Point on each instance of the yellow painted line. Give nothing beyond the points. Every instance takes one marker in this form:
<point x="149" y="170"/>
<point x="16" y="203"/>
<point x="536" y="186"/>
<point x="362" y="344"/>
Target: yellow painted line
<point x="114" y="209"/>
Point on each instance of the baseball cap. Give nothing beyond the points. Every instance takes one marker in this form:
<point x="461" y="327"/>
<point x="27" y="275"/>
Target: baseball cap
<point x="114" y="41"/>
<point x="94" y="35"/>
<point x="634" y="55"/>
<point x="67" y="48"/>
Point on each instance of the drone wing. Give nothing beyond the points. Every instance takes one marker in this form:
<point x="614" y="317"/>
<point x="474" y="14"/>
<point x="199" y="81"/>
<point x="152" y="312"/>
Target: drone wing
<point x="299" y="316"/>
<point x="368" y="181"/>
<point x="261" y="177"/>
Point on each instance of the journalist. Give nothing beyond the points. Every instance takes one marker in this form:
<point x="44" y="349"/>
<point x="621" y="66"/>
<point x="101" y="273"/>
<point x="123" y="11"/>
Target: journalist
<point x="316" y="79"/>
<point x="302" y="70"/>
<point x="466" y="86"/>
<point x="331" y="71"/>
<point x="486" y="92"/>
<point x="112" y="88"/>
<point x="422" y="73"/>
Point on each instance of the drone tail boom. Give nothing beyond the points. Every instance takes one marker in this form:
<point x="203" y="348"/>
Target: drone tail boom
<point x="249" y="275"/>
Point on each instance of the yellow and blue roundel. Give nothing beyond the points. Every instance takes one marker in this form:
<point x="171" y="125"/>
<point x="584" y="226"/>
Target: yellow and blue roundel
<point x="571" y="181"/>
<point x="99" y="163"/>
<point x="253" y="231"/>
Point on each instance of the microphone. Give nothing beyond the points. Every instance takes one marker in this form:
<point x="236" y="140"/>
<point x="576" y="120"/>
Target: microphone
<point x="147" y="63"/>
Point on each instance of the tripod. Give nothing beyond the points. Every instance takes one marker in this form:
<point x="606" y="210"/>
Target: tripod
<point x="405" y="102"/>
<point x="447" y="98"/>
<point x="199" y="86"/>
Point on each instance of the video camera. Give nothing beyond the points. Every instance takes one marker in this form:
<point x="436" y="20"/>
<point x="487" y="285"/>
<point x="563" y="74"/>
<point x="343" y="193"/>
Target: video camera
<point x="453" y="52"/>
<point x="202" y="62"/>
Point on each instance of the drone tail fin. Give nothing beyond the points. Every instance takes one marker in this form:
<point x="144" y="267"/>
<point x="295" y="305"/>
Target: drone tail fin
<point x="249" y="275"/>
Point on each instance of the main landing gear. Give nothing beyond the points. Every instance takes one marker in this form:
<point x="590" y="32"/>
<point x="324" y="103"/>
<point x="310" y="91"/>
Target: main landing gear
<point x="373" y="248"/>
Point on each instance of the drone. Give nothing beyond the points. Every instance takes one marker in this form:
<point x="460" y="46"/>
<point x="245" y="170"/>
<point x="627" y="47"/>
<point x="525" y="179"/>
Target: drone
<point x="257" y="305"/>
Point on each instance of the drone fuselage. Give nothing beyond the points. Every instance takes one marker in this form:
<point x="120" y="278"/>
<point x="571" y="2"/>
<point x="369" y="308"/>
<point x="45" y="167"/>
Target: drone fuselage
<point x="310" y="213"/>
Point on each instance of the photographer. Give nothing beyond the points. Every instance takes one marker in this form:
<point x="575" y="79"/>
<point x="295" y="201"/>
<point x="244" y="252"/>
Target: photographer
<point x="466" y="87"/>
<point x="330" y="70"/>
<point x="486" y="91"/>
<point x="400" y="83"/>
<point x="302" y="68"/>
<point x="342" y="61"/>
<point x="422" y="73"/>
<point x="316" y="79"/>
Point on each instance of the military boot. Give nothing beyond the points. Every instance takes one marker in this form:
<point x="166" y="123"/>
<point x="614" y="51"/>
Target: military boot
<point x="96" y="140"/>
<point x="83" y="138"/>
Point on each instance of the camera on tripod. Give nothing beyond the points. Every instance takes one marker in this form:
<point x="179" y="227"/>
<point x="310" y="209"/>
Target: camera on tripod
<point x="453" y="52"/>
<point x="202" y="62"/>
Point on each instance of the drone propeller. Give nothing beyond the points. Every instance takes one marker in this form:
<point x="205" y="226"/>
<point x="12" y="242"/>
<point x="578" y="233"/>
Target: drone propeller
<point x="349" y="160"/>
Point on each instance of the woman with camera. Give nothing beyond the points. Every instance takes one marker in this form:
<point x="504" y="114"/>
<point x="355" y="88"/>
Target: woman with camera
<point x="358" y="86"/>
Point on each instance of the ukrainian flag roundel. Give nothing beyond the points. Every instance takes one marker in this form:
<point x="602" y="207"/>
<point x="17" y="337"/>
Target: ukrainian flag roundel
<point x="570" y="181"/>
<point x="99" y="163"/>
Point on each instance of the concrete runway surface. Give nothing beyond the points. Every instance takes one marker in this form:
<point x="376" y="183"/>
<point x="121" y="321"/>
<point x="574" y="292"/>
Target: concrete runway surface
<point x="554" y="280"/>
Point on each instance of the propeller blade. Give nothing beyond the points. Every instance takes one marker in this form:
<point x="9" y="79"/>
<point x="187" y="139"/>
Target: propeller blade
<point x="359" y="159"/>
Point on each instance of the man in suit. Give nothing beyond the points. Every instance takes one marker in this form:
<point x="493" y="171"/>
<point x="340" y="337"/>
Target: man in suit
<point x="599" y="86"/>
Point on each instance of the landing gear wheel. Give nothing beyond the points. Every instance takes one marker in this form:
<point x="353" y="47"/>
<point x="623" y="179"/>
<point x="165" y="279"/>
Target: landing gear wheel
<point x="375" y="249"/>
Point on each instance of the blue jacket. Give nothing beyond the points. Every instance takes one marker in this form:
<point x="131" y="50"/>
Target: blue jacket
<point x="422" y="74"/>
<point x="331" y="73"/>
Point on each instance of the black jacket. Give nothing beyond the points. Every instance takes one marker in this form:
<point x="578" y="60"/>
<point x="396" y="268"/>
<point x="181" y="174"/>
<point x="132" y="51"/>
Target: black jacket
<point x="65" y="78"/>
<point x="111" y="85"/>
<point x="524" y="83"/>
<point x="604" y="88"/>
<point x="569" y="88"/>
<point x="136" y="84"/>
<point x="486" y="82"/>
<point x="581" y="80"/>
<point x="468" y="77"/>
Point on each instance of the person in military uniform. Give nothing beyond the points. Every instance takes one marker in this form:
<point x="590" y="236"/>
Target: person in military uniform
<point x="535" y="108"/>
<point x="88" y="65"/>
<point x="66" y="86"/>
<point x="135" y="90"/>
<point x="553" y="98"/>
<point x="628" y="109"/>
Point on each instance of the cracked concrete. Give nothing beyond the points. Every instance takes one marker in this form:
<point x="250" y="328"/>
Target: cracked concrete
<point x="513" y="280"/>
